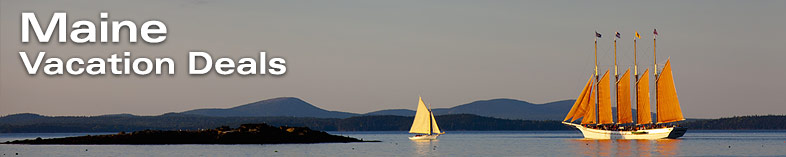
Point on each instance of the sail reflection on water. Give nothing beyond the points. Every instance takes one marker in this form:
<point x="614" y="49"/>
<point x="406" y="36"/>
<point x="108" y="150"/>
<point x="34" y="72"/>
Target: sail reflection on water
<point x="605" y="147"/>
<point x="621" y="147"/>
<point x="425" y="147"/>
<point x="624" y="147"/>
<point x="643" y="147"/>
<point x="667" y="147"/>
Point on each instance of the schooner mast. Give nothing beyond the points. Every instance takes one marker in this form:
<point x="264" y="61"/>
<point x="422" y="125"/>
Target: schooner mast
<point x="616" y="78"/>
<point x="604" y="112"/>
<point x="635" y="64"/>
<point x="624" y="114"/>
<point x="642" y="90"/>
<point x="596" y="105"/>
<point x="654" y="55"/>
<point x="599" y="111"/>
<point x="667" y="103"/>
<point x="655" y="62"/>
<point x="604" y="115"/>
<point x="594" y="124"/>
<point x="615" y="56"/>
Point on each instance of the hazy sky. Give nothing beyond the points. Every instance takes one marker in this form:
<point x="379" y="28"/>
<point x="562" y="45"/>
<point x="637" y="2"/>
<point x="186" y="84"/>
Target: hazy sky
<point x="728" y="57"/>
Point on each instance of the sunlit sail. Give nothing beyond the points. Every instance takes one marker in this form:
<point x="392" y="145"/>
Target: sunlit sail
<point x="578" y="104"/>
<point x="598" y="123"/>
<point x="643" y="99"/>
<point x="585" y="102"/>
<point x="424" y="123"/>
<point x="624" y="114"/>
<point x="590" y="114"/>
<point x="604" y="100"/>
<point x="668" y="105"/>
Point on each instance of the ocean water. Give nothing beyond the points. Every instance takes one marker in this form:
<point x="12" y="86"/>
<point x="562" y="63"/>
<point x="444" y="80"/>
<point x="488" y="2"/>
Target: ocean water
<point x="458" y="143"/>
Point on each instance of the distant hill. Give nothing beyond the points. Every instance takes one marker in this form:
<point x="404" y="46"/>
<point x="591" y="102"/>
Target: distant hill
<point x="294" y="107"/>
<point x="119" y="115"/>
<point x="284" y="106"/>
<point x="513" y="109"/>
<point x="21" y="117"/>
<point x="498" y="108"/>
<point x="393" y="112"/>
<point x="758" y="122"/>
<point x="505" y="109"/>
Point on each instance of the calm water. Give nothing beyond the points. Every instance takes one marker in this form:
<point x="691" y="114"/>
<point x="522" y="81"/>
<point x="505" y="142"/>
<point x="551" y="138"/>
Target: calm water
<point x="468" y="143"/>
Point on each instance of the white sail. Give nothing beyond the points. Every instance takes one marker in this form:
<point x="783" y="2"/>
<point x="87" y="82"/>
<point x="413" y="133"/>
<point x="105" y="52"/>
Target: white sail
<point x="434" y="127"/>
<point x="423" y="119"/>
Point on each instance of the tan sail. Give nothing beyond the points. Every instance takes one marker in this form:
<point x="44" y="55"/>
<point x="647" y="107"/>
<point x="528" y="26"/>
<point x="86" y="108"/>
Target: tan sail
<point x="597" y="114"/>
<point x="589" y="114"/>
<point x="579" y="101"/>
<point x="585" y="103"/>
<point x="624" y="113"/>
<point x="422" y="122"/>
<point x="667" y="103"/>
<point x="604" y="100"/>
<point x="434" y="127"/>
<point x="643" y="99"/>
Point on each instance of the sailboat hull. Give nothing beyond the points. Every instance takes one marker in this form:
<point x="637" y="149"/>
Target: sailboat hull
<point x="659" y="133"/>
<point x="424" y="137"/>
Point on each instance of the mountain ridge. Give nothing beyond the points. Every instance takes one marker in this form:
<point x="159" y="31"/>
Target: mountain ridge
<point x="290" y="106"/>
<point x="282" y="106"/>
<point x="504" y="108"/>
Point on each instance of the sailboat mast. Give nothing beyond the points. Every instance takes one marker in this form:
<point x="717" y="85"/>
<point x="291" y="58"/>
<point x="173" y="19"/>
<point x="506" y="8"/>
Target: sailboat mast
<point x="616" y="77"/>
<point x="597" y="79"/>
<point x="655" y="61"/>
<point x="654" y="58"/>
<point x="636" y="74"/>
<point x="596" y="59"/>
<point x="635" y="64"/>
<point x="430" y="123"/>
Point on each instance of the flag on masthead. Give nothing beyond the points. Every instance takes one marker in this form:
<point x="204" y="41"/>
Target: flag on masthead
<point x="597" y="34"/>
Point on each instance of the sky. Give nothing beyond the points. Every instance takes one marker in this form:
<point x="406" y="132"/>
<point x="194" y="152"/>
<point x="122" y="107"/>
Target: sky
<point x="728" y="57"/>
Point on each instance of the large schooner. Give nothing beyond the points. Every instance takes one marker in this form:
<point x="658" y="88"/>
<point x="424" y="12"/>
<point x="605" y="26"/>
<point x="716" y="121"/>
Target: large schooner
<point x="600" y="125"/>
<point x="424" y="124"/>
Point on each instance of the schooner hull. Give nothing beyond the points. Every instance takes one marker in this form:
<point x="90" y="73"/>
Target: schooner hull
<point x="659" y="133"/>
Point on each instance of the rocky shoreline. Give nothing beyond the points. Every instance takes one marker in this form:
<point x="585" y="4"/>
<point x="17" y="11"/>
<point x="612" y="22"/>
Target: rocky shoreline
<point x="245" y="134"/>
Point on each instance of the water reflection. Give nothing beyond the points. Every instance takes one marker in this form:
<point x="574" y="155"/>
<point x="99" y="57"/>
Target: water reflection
<point x="667" y="147"/>
<point x="643" y="147"/>
<point x="624" y="148"/>
<point x="604" y="147"/>
<point x="590" y="147"/>
<point x="425" y="147"/>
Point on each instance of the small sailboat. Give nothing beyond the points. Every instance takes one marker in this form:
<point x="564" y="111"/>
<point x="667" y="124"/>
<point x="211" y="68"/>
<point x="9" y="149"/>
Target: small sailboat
<point x="600" y="125"/>
<point x="424" y="125"/>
